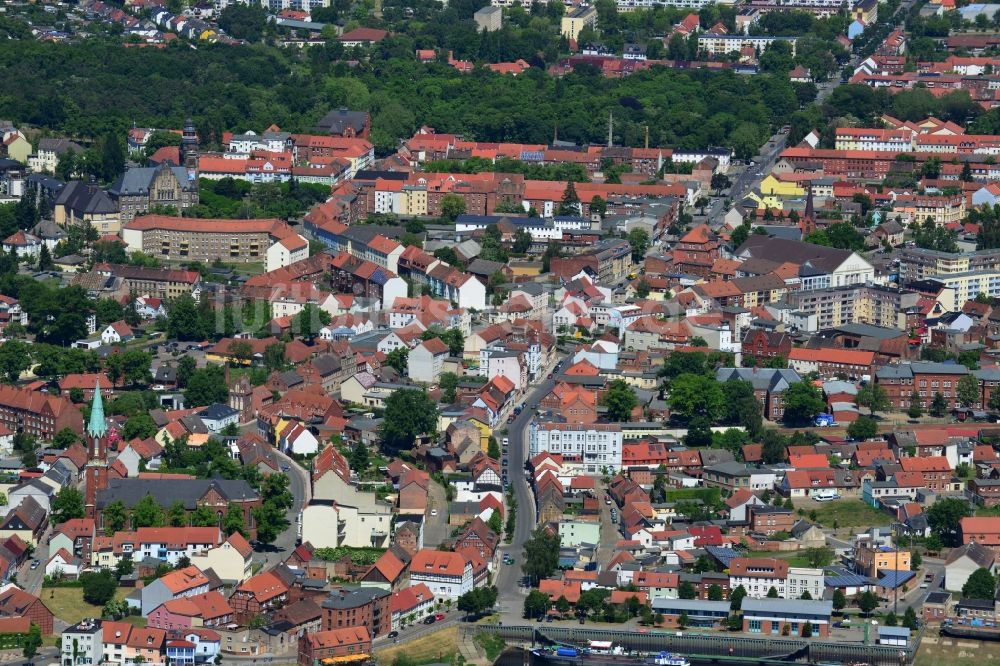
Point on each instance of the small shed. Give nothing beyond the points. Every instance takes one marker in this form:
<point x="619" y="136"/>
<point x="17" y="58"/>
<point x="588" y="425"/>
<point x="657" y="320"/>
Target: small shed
<point x="898" y="636"/>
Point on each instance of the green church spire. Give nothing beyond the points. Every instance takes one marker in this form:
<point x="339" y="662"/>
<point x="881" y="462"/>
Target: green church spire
<point x="97" y="427"/>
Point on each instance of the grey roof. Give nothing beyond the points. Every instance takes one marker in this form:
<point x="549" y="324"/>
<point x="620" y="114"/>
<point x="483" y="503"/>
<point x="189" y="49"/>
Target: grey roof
<point x="770" y="379"/>
<point x="85" y="199"/>
<point x="784" y="606"/>
<point x="217" y="411"/>
<point x="168" y="491"/>
<point x="908" y="370"/>
<point x="893" y="631"/>
<point x="871" y="331"/>
<point x="731" y="468"/>
<point x="58" y="146"/>
<point x="347" y="598"/>
<point x="137" y="181"/>
<point x="339" y="120"/>
<point x="693" y="606"/>
<point x="938" y="598"/>
<point x="981" y="555"/>
<point x="484" y="267"/>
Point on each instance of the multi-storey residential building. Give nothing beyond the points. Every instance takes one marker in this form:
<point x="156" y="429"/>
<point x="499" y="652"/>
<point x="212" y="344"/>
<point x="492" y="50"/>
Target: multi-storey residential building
<point x="718" y="44"/>
<point x="866" y="138"/>
<point x="873" y="559"/>
<point x="610" y="261"/>
<point x="919" y="264"/>
<point x="188" y="239"/>
<point x="758" y="575"/>
<point x="697" y="251"/>
<point x="769" y="386"/>
<point x="367" y="607"/>
<point x="983" y="530"/>
<point x="762" y="345"/>
<point x="821" y="267"/>
<point x="584" y="16"/>
<point x="927" y="379"/>
<point x="448" y="575"/>
<point x="770" y="519"/>
<point x="941" y="209"/>
<point x="82" y="644"/>
<point x="731" y="476"/>
<point x="162" y="283"/>
<point x="315" y="648"/>
<point x="935" y="470"/>
<point x="35" y="413"/>
<point x="597" y="447"/>
<point x="260" y="594"/>
<point x="856" y="304"/>
<point x="967" y="286"/>
<point x="142" y="188"/>
<point x="830" y="362"/>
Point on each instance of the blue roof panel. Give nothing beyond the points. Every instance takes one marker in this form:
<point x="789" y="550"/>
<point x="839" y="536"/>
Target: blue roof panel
<point x="894" y="579"/>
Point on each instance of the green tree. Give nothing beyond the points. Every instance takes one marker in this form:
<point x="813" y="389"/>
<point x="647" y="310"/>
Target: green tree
<point x="452" y="205"/>
<point x="687" y="591"/>
<point x="67" y="504"/>
<point x="967" y="391"/>
<point x="115" y="517"/>
<point x="570" y="204"/>
<point x="736" y="598"/>
<point x="980" y="585"/>
<point x="820" y="556"/>
<point x="874" y="397"/>
<point x="715" y="593"/>
<point x="910" y="619"/>
<point x="33" y="641"/>
<point x="802" y="403"/>
<point x="99" y="586"/>
<point x="274" y="356"/>
<point x="408" y="414"/>
<point x="233" y="521"/>
<point x="309" y="321"/>
<point x="839" y="600"/>
<point x="177" y="514"/>
<point x="915" y="411"/>
<point x="696" y="395"/>
<point x="867" y="601"/>
<point x="139" y="426"/>
<point x="916" y="559"/>
<point x="742" y="406"/>
<point x="938" y="406"/>
<point x="147" y="513"/>
<point x="184" y="320"/>
<point x="944" y="517"/>
<point x="206" y="386"/>
<point x="15" y="358"/>
<point x="638" y="239"/>
<point x="359" y="459"/>
<point x="449" y="385"/>
<point x="536" y="604"/>
<point x="493" y="448"/>
<point x="772" y="593"/>
<point x="620" y="400"/>
<point x="541" y="555"/>
<point x="398" y="359"/>
<point x="64" y="439"/>
<point x="772" y="447"/>
<point x="522" y="241"/>
<point x="863" y="428"/>
<point x="185" y="368"/>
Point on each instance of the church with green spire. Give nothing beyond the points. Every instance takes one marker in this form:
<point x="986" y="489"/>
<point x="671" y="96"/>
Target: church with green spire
<point x="96" y="471"/>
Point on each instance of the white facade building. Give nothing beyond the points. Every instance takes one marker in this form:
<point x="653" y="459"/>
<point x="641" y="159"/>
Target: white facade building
<point x="596" y="446"/>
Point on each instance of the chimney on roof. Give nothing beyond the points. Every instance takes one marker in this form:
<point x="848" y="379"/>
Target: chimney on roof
<point x="343" y="110"/>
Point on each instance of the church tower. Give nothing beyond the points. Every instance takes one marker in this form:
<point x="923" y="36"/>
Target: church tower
<point x="96" y="472"/>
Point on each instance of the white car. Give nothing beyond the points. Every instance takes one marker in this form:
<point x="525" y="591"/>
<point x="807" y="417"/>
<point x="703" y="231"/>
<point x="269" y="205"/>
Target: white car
<point x="434" y="512"/>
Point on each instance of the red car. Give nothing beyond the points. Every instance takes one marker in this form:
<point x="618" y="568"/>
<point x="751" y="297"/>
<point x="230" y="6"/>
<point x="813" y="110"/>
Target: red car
<point x="438" y="617"/>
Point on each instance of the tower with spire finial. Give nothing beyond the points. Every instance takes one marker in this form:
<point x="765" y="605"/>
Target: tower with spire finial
<point x="96" y="471"/>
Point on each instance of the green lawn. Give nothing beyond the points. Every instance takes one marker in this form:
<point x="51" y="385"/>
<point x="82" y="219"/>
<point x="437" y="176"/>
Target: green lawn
<point x="67" y="603"/>
<point x="846" y="513"/>
<point x="794" y="558"/>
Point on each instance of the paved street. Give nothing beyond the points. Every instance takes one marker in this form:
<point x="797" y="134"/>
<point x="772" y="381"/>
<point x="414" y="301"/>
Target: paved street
<point x="300" y="488"/>
<point x="508" y="579"/>
<point x="436" y="528"/>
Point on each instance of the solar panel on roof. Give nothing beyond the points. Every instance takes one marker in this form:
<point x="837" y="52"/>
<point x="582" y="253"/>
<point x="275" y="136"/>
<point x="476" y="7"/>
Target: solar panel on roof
<point x="895" y="578"/>
<point x="724" y="555"/>
<point x="532" y="156"/>
<point x="849" y="580"/>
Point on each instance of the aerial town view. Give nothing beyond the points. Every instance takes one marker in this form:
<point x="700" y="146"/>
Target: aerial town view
<point x="499" y="332"/>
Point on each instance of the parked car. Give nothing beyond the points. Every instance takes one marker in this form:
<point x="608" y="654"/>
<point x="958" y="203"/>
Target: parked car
<point x="393" y="634"/>
<point x="439" y="616"/>
<point x="429" y="619"/>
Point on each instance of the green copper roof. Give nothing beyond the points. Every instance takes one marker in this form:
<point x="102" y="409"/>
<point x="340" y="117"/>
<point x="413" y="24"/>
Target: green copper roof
<point x="97" y="427"/>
